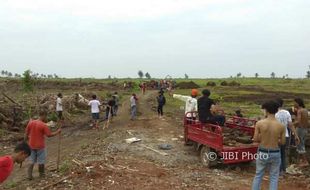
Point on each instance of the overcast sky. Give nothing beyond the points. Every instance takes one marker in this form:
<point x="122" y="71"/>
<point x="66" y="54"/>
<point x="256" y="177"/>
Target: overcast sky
<point x="203" y="38"/>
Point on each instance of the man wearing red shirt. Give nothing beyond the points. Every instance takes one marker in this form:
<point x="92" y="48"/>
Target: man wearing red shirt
<point x="21" y="152"/>
<point x="35" y="132"/>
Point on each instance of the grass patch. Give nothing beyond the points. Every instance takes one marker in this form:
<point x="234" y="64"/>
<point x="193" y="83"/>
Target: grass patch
<point x="10" y="185"/>
<point x="64" y="167"/>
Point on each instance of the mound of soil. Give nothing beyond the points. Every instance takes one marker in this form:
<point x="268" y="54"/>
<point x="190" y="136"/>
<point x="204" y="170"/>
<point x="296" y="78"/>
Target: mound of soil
<point x="233" y="136"/>
<point x="224" y="83"/>
<point x="187" y="85"/>
<point x="210" y="83"/>
<point x="234" y="83"/>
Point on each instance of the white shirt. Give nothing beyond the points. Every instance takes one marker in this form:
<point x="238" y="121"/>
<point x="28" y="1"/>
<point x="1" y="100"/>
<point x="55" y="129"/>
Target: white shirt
<point x="133" y="101"/>
<point x="59" y="104"/>
<point x="190" y="103"/>
<point x="94" y="106"/>
<point x="285" y="118"/>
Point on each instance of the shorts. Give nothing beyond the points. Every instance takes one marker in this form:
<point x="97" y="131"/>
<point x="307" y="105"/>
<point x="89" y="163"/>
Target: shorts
<point x="59" y="115"/>
<point x="95" y="116"/>
<point x="302" y="133"/>
<point x="38" y="156"/>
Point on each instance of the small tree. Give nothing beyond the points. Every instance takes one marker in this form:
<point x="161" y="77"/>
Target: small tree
<point x="239" y="74"/>
<point x="140" y="73"/>
<point x="273" y="75"/>
<point x="256" y="75"/>
<point x="109" y="77"/>
<point x="186" y="76"/>
<point x="308" y="73"/>
<point x="27" y="81"/>
<point x="147" y="75"/>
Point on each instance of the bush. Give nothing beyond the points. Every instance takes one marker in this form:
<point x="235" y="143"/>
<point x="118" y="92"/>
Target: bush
<point x="211" y="83"/>
<point x="27" y="81"/>
<point x="224" y="83"/>
<point x="234" y="83"/>
<point x="52" y="117"/>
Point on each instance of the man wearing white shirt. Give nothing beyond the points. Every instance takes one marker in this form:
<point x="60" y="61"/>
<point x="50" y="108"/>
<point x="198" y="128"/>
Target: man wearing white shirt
<point x="190" y="104"/>
<point x="59" y="109"/>
<point x="284" y="117"/>
<point x="94" y="104"/>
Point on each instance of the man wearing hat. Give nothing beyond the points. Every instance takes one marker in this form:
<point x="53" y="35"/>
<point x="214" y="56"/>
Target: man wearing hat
<point x="190" y="104"/>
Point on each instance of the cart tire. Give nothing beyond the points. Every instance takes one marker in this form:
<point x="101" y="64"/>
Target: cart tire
<point x="208" y="157"/>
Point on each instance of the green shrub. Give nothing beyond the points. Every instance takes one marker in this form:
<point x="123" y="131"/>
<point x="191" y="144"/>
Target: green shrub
<point x="27" y="81"/>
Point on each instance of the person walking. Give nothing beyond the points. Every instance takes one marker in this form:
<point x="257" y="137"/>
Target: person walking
<point x="161" y="101"/>
<point x="95" y="109"/>
<point x="116" y="99"/>
<point x="133" y="106"/>
<point x="59" y="107"/>
<point x="109" y="113"/>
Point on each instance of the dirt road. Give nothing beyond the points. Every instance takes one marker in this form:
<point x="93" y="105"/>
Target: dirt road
<point x="114" y="164"/>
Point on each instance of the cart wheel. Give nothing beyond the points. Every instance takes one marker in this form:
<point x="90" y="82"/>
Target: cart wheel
<point x="208" y="157"/>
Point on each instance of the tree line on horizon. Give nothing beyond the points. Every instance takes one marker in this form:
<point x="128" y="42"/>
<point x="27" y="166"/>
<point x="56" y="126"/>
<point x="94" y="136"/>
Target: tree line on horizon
<point x="141" y="74"/>
<point x="5" y="73"/>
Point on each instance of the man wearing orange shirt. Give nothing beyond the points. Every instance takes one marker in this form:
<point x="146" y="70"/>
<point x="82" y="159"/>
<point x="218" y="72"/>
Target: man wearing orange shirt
<point x="35" y="132"/>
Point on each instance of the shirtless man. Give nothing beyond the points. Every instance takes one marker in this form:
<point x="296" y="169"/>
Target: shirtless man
<point x="269" y="133"/>
<point x="301" y="124"/>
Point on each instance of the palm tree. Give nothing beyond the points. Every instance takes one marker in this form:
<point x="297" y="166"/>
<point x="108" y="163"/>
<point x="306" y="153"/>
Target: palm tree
<point x="256" y="75"/>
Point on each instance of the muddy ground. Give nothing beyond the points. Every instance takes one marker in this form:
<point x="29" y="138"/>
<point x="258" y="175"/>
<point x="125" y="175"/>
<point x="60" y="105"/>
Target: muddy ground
<point x="106" y="161"/>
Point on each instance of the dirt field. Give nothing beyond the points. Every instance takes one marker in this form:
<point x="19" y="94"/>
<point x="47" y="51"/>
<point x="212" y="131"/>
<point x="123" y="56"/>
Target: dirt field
<point x="103" y="160"/>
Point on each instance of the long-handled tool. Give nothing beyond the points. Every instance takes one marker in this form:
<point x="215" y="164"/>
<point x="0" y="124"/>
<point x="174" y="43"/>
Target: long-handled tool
<point x="107" y="124"/>
<point x="58" y="151"/>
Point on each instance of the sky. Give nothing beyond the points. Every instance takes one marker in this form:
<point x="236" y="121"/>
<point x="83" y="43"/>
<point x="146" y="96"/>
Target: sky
<point x="202" y="38"/>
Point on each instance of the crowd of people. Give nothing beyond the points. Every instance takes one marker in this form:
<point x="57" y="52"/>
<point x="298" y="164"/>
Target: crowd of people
<point x="275" y="133"/>
<point x="111" y="109"/>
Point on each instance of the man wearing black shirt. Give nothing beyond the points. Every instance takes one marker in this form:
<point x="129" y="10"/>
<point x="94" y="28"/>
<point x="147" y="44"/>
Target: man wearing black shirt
<point x="109" y="109"/>
<point x="204" y="106"/>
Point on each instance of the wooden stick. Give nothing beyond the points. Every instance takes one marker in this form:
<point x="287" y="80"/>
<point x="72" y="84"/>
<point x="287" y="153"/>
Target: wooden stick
<point x="55" y="183"/>
<point x="109" y="119"/>
<point x="58" y="151"/>
<point x="13" y="101"/>
<point x="79" y="163"/>
<point x="154" y="150"/>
